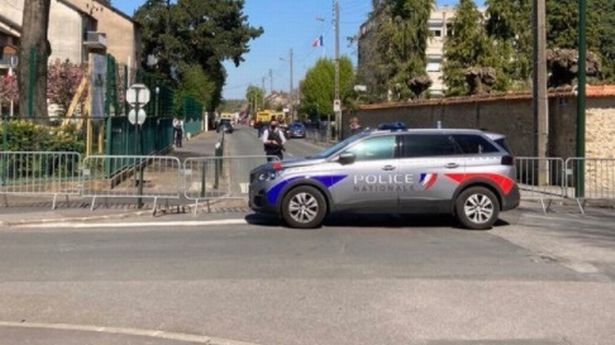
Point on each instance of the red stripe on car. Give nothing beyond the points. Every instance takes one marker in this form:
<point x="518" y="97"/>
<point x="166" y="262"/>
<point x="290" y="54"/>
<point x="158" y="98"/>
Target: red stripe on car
<point x="504" y="182"/>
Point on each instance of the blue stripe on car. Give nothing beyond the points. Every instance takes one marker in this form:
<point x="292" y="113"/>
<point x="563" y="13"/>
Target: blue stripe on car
<point x="327" y="180"/>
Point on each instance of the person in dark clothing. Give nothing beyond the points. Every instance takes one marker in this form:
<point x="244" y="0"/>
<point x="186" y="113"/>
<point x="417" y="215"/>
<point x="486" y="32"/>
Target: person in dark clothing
<point x="274" y="140"/>
<point x="178" y="128"/>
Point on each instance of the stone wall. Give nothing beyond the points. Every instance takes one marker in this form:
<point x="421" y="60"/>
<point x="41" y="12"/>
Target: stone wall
<point x="508" y="115"/>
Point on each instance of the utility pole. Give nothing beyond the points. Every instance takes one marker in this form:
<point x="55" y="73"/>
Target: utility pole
<point x="263" y="85"/>
<point x="292" y="106"/>
<point x="337" y="106"/>
<point x="580" y="190"/>
<point x="270" y="81"/>
<point x="539" y="90"/>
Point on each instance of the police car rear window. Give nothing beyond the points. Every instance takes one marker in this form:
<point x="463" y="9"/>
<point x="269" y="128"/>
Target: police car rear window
<point x="428" y="145"/>
<point x="474" y="144"/>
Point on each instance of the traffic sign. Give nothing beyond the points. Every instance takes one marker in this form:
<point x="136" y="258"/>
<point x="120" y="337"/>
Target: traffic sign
<point x="337" y="105"/>
<point x="138" y="92"/>
<point x="139" y="119"/>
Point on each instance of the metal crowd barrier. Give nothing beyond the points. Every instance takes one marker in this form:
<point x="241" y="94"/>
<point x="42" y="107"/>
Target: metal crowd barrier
<point x="210" y="178"/>
<point x="541" y="179"/>
<point x="40" y="174"/>
<point x="598" y="177"/>
<point x="152" y="177"/>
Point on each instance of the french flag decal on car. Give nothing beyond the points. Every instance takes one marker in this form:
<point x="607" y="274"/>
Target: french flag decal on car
<point x="428" y="180"/>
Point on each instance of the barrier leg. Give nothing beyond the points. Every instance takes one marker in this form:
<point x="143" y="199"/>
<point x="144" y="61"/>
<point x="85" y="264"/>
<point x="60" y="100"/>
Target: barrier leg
<point x="581" y="206"/>
<point x="53" y="203"/>
<point x="196" y="207"/>
<point x="155" y="206"/>
<point x="6" y="200"/>
<point x="93" y="203"/>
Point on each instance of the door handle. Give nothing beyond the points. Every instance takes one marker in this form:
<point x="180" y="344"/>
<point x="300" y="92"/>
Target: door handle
<point x="388" y="168"/>
<point x="452" y="166"/>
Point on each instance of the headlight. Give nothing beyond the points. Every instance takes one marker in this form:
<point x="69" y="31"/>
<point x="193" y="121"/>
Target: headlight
<point x="268" y="176"/>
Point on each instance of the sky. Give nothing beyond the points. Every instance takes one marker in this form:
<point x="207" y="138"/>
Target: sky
<point x="288" y="24"/>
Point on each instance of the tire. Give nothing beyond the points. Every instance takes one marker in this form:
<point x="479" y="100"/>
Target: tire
<point x="313" y="212"/>
<point x="477" y="208"/>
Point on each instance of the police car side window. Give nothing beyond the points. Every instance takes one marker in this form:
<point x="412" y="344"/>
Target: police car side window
<point x="474" y="144"/>
<point x="377" y="148"/>
<point x="428" y="145"/>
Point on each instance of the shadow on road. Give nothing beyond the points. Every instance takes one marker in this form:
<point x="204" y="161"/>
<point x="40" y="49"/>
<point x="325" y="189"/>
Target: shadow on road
<point x="372" y="221"/>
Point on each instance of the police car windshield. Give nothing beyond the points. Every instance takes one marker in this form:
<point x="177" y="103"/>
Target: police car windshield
<point x="335" y="148"/>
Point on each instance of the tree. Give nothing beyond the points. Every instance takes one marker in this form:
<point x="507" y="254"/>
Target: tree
<point x="509" y="24"/>
<point x="33" y="54"/>
<point x="469" y="47"/>
<point x="195" y="32"/>
<point x="255" y="97"/>
<point x="402" y="38"/>
<point x="195" y="83"/>
<point x="62" y="82"/>
<point x="398" y="57"/>
<point x="317" y="89"/>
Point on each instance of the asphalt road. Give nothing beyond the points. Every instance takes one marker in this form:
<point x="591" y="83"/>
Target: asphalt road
<point x="404" y="281"/>
<point x="533" y="280"/>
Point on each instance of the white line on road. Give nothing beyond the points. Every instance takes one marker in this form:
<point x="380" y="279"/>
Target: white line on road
<point x="182" y="337"/>
<point x="138" y="224"/>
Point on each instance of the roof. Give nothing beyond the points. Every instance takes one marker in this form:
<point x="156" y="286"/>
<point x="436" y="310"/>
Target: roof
<point x="74" y="7"/>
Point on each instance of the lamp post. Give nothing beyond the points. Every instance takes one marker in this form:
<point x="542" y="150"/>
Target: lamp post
<point x="580" y="190"/>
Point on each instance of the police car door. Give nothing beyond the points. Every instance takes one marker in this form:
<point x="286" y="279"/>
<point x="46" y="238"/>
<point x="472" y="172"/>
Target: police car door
<point x="370" y="183"/>
<point x="425" y="160"/>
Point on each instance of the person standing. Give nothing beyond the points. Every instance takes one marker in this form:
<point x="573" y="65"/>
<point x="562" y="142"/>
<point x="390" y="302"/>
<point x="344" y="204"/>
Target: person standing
<point x="274" y="140"/>
<point x="178" y="128"/>
<point x="355" y="127"/>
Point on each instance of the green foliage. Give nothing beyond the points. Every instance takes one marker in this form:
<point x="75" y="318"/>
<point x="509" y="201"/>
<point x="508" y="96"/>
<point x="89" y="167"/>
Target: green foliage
<point x="399" y="53"/>
<point x="195" y="32"/>
<point x="468" y="46"/>
<point x="196" y="84"/>
<point x="25" y="135"/>
<point x="318" y="87"/>
<point x="402" y="39"/>
<point x="509" y="24"/>
<point x="231" y="105"/>
<point x="255" y="93"/>
<point x="606" y="35"/>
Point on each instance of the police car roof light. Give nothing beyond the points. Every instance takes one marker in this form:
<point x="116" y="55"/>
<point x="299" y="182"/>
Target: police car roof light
<point x="394" y="126"/>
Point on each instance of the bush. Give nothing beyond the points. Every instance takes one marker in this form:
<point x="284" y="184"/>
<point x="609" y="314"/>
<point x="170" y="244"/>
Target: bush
<point x="25" y="135"/>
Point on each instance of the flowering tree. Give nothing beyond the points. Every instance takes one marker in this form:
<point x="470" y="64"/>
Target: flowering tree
<point x="8" y="89"/>
<point x="62" y="82"/>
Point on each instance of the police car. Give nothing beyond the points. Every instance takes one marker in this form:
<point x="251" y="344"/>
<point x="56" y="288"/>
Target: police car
<point x="467" y="173"/>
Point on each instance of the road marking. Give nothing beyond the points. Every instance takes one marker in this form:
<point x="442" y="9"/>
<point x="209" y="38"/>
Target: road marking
<point x="182" y="337"/>
<point x="138" y="224"/>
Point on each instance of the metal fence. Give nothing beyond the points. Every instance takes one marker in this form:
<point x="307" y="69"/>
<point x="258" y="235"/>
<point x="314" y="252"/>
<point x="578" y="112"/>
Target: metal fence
<point x="40" y="173"/>
<point x="208" y="178"/>
<point x="541" y="179"/>
<point x="591" y="179"/>
<point x="318" y="135"/>
<point x="153" y="177"/>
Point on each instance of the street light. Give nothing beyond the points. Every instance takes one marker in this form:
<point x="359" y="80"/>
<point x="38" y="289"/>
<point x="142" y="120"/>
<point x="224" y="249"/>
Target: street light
<point x="12" y="65"/>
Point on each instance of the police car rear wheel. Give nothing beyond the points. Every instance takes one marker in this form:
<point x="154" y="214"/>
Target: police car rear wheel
<point x="477" y="208"/>
<point x="304" y="207"/>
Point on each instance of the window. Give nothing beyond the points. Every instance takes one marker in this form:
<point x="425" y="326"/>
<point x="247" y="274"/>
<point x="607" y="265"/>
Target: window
<point x="433" y="67"/>
<point x="474" y="144"/>
<point x="428" y="145"/>
<point x="377" y="148"/>
<point x="437" y="33"/>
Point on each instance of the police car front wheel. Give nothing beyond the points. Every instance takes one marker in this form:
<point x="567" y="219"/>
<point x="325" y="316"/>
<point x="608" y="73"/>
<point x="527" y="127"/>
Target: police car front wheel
<point x="304" y="207"/>
<point x="477" y="208"/>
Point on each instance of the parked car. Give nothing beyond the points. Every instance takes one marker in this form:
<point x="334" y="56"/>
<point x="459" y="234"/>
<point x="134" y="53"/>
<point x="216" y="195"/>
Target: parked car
<point x="226" y="126"/>
<point x="467" y="173"/>
<point x="296" y="130"/>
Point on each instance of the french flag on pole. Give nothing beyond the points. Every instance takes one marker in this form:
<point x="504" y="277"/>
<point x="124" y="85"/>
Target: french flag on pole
<point x="319" y="42"/>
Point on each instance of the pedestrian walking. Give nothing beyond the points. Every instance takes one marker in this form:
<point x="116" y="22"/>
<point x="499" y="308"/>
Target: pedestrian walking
<point x="274" y="140"/>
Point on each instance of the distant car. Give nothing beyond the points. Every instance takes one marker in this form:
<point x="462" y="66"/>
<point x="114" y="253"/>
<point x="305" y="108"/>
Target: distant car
<point x="226" y="126"/>
<point x="467" y="173"/>
<point x="296" y="130"/>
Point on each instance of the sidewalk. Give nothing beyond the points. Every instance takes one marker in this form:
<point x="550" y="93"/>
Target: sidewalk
<point x="15" y="210"/>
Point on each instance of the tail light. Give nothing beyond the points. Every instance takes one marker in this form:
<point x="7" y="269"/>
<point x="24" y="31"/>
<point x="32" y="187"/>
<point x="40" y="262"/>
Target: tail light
<point x="508" y="160"/>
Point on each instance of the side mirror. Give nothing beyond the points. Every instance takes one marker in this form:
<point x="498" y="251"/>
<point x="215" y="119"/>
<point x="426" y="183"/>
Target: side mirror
<point x="346" y="158"/>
